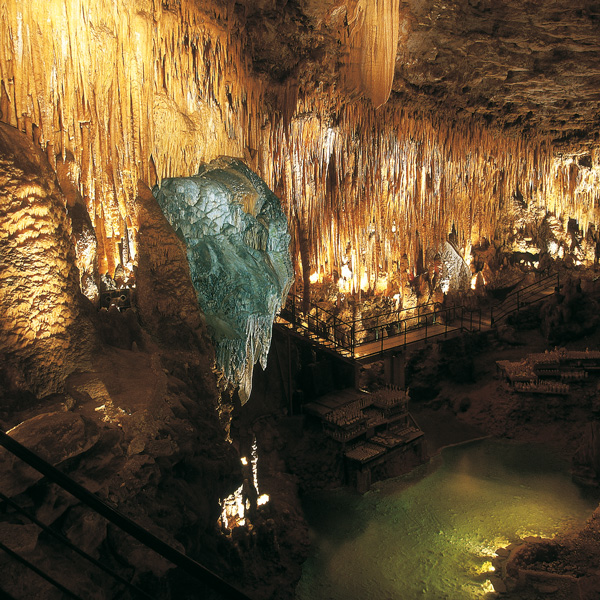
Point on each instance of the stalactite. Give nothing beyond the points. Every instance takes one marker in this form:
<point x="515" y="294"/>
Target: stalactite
<point x="117" y="86"/>
<point x="373" y="44"/>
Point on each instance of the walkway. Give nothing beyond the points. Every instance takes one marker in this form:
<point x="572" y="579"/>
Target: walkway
<point x="379" y="334"/>
<point x="388" y="331"/>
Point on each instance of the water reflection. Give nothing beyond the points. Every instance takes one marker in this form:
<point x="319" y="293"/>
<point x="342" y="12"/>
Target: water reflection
<point x="431" y="534"/>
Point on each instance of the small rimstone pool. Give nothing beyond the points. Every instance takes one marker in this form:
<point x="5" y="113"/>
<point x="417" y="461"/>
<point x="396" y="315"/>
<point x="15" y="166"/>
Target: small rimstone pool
<point x="431" y="534"/>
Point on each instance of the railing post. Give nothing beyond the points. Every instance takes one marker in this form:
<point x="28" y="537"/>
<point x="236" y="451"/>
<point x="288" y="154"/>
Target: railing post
<point x="335" y="335"/>
<point x="382" y="341"/>
<point x="352" y="340"/>
<point x="405" y="334"/>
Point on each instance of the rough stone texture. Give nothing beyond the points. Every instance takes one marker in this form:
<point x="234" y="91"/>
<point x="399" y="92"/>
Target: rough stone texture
<point x="166" y="300"/>
<point x="523" y="65"/>
<point x="82" y="230"/>
<point x="42" y="332"/>
<point x="238" y="251"/>
<point x="141" y="428"/>
<point x="55" y="437"/>
<point x="528" y="65"/>
<point x="586" y="462"/>
<point x="563" y="568"/>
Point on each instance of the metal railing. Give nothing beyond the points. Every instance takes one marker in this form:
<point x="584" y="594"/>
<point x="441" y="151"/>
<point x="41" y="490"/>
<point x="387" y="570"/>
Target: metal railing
<point x="523" y="297"/>
<point x="111" y="514"/>
<point x="347" y="337"/>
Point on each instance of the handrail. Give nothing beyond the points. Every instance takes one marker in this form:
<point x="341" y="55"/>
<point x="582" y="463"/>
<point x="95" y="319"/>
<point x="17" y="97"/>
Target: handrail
<point x="193" y="568"/>
<point x="5" y="595"/>
<point x="16" y="556"/>
<point x="517" y="298"/>
<point x="471" y="325"/>
<point x="298" y="301"/>
<point x="346" y="337"/>
<point x="66" y="542"/>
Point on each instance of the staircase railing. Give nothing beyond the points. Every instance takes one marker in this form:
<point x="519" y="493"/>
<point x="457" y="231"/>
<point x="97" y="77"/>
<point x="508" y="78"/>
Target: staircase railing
<point x="110" y="513"/>
<point x="523" y="297"/>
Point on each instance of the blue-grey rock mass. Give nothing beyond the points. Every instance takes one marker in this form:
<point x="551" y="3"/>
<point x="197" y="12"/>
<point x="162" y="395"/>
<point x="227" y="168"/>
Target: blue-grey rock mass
<point x="237" y="243"/>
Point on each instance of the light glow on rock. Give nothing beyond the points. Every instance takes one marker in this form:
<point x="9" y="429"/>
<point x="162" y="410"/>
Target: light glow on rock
<point x="235" y="507"/>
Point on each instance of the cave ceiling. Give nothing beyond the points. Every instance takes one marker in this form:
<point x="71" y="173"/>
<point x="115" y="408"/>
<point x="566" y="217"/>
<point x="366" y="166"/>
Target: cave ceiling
<point x="531" y="67"/>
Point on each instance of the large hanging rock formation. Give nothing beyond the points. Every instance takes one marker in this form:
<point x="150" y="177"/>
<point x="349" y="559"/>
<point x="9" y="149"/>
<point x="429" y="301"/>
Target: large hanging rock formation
<point x="238" y="250"/>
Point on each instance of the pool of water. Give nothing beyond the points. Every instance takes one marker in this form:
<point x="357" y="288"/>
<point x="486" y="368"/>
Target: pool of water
<point x="431" y="534"/>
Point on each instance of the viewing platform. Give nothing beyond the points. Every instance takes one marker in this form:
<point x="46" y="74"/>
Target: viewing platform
<point x="369" y="337"/>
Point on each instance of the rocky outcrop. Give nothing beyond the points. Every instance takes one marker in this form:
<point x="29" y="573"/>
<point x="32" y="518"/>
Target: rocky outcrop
<point x="141" y="426"/>
<point x="586" y="462"/>
<point x="563" y="568"/>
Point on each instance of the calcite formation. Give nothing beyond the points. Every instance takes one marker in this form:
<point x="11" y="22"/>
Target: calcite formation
<point x="42" y="333"/>
<point x="238" y="251"/>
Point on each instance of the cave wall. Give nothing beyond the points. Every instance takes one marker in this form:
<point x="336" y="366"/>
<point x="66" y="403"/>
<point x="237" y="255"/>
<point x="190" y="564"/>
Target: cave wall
<point x="44" y="334"/>
<point x="120" y="95"/>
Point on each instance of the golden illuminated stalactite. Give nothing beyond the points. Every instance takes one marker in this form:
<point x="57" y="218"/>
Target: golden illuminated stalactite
<point x="148" y="89"/>
<point x="372" y="47"/>
<point x="369" y="187"/>
<point x="133" y="90"/>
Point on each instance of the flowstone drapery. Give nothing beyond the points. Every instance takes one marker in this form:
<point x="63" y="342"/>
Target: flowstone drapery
<point x="238" y="250"/>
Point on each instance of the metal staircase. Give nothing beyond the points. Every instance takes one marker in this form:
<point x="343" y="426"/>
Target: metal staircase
<point x="524" y="297"/>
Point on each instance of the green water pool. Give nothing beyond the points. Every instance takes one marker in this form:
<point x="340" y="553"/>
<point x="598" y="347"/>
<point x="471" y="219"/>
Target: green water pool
<point x="431" y="534"/>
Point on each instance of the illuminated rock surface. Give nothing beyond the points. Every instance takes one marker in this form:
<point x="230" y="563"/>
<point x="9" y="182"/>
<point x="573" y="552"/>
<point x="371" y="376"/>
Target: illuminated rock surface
<point x="124" y="91"/>
<point x="237" y="247"/>
<point x="42" y="333"/>
<point x="490" y="102"/>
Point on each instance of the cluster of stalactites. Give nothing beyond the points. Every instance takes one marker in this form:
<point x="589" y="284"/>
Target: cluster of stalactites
<point x="149" y="89"/>
<point x="575" y="188"/>
<point x="127" y="91"/>
<point x="368" y="190"/>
